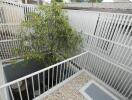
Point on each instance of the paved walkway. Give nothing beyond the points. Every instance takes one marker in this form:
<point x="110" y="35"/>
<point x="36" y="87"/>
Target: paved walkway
<point x="70" y="91"/>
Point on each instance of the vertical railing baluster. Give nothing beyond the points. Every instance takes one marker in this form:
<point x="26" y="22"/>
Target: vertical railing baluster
<point x="63" y="72"/>
<point x="11" y="93"/>
<point x="56" y="75"/>
<point x="48" y="79"/>
<point x="27" y="89"/>
<point x="73" y="67"/>
<point x="60" y="73"/>
<point x="70" y="68"/>
<point x="33" y="86"/>
<point x="19" y="91"/>
<point x="39" y="84"/>
<point x="52" y="76"/>
<point x="66" y="70"/>
<point x="44" y="81"/>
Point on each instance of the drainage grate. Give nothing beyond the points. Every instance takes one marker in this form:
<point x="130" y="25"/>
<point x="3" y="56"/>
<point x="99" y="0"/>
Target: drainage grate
<point x="94" y="91"/>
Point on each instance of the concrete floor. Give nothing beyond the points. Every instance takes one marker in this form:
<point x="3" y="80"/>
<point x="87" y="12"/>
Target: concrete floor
<point x="70" y="91"/>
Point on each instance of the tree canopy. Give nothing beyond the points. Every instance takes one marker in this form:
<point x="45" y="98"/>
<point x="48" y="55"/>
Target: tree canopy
<point x="47" y="36"/>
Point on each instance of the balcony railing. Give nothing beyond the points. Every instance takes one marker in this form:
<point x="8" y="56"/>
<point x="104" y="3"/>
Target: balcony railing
<point x="42" y="80"/>
<point x="115" y="77"/>
<point x="108" y="56"/>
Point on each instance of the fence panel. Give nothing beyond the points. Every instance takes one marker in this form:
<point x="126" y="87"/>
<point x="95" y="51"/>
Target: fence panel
<point x="12" y="15"/>
<point x="110" y="56"/>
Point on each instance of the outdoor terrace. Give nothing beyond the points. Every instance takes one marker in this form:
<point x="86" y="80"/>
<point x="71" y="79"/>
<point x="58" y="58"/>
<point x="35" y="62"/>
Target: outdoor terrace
<point x="70" y="89"/>
<point x="106" y="57"/>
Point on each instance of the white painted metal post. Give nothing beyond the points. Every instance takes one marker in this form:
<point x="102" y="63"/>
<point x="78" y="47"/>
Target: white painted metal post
<point x="25" y="1"/>
<point x="3" y="94"/>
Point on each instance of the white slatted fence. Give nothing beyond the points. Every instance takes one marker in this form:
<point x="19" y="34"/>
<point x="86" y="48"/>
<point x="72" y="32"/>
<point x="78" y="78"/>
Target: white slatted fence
<point x="12" y="15"/>
<point x="109" y="43"/>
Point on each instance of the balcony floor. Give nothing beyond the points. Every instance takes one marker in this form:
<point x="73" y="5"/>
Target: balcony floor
<point x="70" y="90"/>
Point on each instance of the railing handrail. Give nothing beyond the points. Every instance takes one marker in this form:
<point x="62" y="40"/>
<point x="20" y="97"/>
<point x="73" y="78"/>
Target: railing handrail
<point x="42" y="70"/>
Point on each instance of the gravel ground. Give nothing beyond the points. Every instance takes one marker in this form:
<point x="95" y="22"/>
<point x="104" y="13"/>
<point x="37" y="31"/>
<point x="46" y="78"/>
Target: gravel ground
<point x="70" y="91"/>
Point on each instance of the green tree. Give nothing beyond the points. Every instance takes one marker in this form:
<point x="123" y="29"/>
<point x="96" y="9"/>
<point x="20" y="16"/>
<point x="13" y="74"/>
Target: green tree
<point x="47" y="36"/>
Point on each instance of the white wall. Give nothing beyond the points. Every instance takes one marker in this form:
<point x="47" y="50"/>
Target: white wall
<point x="83" y="20"/>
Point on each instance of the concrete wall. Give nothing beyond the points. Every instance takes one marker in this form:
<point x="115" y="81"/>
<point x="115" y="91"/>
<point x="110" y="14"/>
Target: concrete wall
<point x="110" y="5"/>
<point x="83" y="20"/>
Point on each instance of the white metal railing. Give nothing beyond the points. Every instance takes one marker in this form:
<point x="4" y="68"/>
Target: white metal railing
<point x="118" y="79"/>
<point x="110" y="36"/>
<point x="31" y="86"/>
<point x="109" y="39"/>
